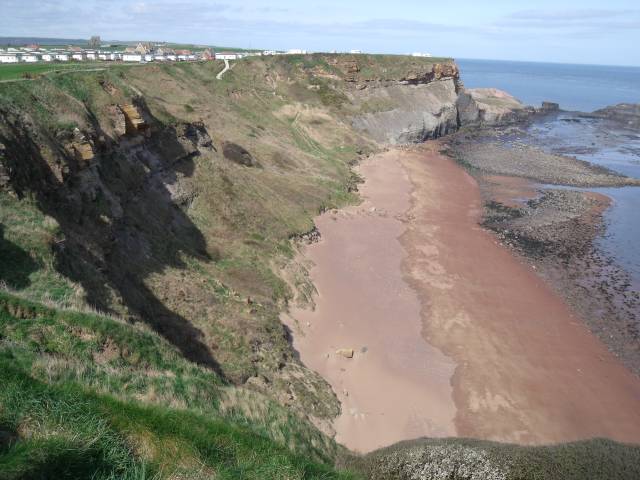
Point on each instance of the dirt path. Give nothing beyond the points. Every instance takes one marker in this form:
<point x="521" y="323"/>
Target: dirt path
<point x="522" y="367"/>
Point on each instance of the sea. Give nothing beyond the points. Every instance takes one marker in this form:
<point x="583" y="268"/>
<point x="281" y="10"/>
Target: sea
<point x="575" y="87"/>
<point x="580" y="88"/>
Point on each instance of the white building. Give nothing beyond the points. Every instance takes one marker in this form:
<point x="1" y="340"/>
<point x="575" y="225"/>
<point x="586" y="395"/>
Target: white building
<point x="62" y="57"/>
<point x="173" y="58"/>
<point x="296" y="51"/>
<point x="159" y="58"/>
<point x="91" y="55"/>
<point x="148" y="57"/>
<point x="132" y="57"/>
<point x="47" y="57"/>
<point x="77" y="56"/>
<point x="269" y="52"/>
<point x="29" y="58"/>
<point x="356" y="52"/>
<point x="227" y="56"/>
<point x="182" y="58"/>
<point x="420" y="54"/>
<point x="8" y="58"/>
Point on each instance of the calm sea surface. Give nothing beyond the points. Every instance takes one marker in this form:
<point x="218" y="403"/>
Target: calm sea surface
<point x="575" y="87"/>
<point x="581" y="88"/>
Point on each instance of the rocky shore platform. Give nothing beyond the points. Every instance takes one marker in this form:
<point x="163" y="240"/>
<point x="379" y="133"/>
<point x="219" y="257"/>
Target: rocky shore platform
<point x="556" y="229"/>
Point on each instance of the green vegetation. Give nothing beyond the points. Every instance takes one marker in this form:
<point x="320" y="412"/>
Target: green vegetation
<point x="31" y="70"/>
<point x="86" y="396"/>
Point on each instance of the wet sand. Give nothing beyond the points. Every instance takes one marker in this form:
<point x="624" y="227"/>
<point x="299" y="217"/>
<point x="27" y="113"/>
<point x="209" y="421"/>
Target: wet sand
<point x="396" y="386"/>
<point x="453" y="335"/>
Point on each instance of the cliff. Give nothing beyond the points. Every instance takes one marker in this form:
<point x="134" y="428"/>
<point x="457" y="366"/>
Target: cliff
<point x="489" y="106"/>
<point x="171" y="202"/>
<point x="413" y="107"/>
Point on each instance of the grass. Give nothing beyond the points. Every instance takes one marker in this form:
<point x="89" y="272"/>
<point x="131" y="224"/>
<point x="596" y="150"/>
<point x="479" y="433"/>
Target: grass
<point x="137" y="407"/>
<point x="30" y="70"/>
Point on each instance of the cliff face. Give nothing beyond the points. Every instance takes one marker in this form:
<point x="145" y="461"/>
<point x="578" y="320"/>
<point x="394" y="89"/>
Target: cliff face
<point x="425" y="102"/>
<point x="411" y="108"/>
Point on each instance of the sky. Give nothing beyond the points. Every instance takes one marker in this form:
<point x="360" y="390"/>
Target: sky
<point x="569" y="31"/>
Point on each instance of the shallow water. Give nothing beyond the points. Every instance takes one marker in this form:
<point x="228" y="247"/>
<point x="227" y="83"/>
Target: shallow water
<point x="601" y="143"/>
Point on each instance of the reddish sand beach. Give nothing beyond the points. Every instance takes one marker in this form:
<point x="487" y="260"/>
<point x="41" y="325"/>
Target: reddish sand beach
<point x="452" y="334"/>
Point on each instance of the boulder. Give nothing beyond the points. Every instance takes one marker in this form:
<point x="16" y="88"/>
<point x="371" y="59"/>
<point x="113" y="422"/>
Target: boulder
<point x="345" y="352"/>
<point x="236" y="153"/>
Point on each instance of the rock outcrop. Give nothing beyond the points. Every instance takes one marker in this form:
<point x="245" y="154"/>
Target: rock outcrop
<point x="489" y="106"/>
<point x="626" y="114"/>
<point x="416" y="107"/>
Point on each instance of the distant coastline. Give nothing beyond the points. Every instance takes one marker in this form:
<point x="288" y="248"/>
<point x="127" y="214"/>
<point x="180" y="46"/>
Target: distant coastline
<point x="582" y="88"/>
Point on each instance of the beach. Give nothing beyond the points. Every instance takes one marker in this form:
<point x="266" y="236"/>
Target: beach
<point x="425" y="325"/>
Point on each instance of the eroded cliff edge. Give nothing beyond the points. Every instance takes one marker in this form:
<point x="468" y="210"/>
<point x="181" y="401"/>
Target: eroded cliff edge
<point x="170" y="198"/>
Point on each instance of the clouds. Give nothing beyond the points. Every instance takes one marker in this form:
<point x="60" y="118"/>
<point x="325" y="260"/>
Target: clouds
<point x="469" y="29"/>
<point x="597" y="21"/>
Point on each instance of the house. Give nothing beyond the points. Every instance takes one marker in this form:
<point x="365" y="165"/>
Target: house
<point x="8" y="58"/>
<point x="132" y="57"/>
<point x="62" y="57"/>
<point x="227" y="56"/>
<point x="159" y="58"/>
<point x="173" y="58"/>
<point x="420" y="54"/>
<point x="183" y="52"/>
<point x="269" y="52"/>
<point x="207" y="55"/>
<point x="29" y="58"/>
<point x="296" y="51"/>
<point x="143" y="48"/>
<point x="91" y="55"/>
<point x="191" y="57"/>
<point x="47" y="57"/>
<point x="148" y="57"/>
<point x="79" y="56"/>
<point x="104" y="56"/>
<point x="182" y="58"/>
<point x="164" y="51"/>
<point x="356" y="52"/>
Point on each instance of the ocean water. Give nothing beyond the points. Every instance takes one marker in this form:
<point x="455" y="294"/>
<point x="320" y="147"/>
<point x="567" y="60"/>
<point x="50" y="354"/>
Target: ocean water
<point x="580" y="88"/>
<point x="575" y="87"/>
